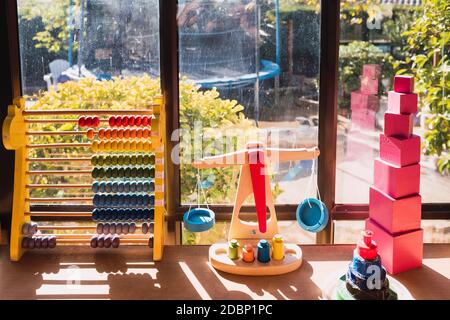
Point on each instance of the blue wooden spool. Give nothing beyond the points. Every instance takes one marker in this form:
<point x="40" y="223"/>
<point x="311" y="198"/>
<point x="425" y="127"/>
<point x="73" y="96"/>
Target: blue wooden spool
<point x="199" y="219"/>
<point x="312" y="215"/>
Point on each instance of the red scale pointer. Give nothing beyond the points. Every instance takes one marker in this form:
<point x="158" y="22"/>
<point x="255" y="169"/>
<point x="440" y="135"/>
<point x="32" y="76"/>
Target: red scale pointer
<point x="256" y="163"/>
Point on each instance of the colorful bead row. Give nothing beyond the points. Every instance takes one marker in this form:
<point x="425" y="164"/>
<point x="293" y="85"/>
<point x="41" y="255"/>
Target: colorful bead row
<point x="123" y="200"/>
<point x="124" y="172"/>
<point x="122" y="146"/>
<point x="116" y="228"/>
<point x="88" y="122"/>
<point x="110" y="214"/>
<point x="108" y="241"/>
<point x="108" y="160"/>
<point x="39" y="242"/>
<point x="129" y="186"/>
<point x="130" y="121"/>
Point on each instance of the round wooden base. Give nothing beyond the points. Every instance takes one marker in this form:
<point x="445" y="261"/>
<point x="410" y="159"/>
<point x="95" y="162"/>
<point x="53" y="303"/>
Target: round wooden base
<point x="336" y="290"/>
<point x="219" y="259"/>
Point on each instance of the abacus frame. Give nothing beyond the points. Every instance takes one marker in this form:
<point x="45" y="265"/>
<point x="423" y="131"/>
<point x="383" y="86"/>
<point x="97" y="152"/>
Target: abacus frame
<point x="16" y="136"/>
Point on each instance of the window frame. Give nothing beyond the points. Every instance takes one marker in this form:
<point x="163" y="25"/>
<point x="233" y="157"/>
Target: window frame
<point x="169" y="67"/>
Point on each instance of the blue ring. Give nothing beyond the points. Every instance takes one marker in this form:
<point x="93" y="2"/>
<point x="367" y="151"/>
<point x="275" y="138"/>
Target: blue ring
<point x="312" y="215"/>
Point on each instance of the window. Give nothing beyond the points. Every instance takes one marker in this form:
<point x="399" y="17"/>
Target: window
<point x="249" y="70"/>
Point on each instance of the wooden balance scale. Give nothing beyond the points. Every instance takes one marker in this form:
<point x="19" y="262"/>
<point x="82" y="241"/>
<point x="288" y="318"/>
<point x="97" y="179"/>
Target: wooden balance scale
<point x="254" y="180"/>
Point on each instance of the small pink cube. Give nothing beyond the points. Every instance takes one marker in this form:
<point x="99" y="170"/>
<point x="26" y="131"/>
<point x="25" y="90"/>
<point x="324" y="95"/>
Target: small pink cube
<point x="372" y="71"/>
<point x="398" y="125"/>
<point x="400" y="151"/>
<point x="395" y="181"/>
<point x="359" y="100"/>
<point x="363" y="119"/>
<point x="395" y="215"/>
<point x="402" y="103"/>
<point x="404" y="84"/>
<point x="399" y="252"/>
<point x="369" y="85"/>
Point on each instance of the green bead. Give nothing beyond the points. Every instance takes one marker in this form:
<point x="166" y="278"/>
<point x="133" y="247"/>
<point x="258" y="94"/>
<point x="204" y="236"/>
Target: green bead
<point x="127" y="172"/>
<point x="121" y="172"/>
<point x="94" y="160"/>
<point x="100" y="160"/>
<point x="101" y="173"/>
<point x="139" y="159"/>
<point x="140" y="172"/>
<point x="152" y="159"/>
<point x="146" y="159"/>
<point x="95" y="173"/>
<point x="120" y="160"/>
<point x="108" y="160"/>
<point x="126" y="160"/>
<point x="115" y="172"/>
<point x="133" y="160"/>
<point x="133" y="172"/>
<point x="152" y="173"/>
<point x="114" y="160"/>
<point x="108" y="173"/>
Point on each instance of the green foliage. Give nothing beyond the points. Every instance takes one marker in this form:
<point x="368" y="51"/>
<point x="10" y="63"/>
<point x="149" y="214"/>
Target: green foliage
<point x="428" y="59"/>
<point x="352" y="57"/>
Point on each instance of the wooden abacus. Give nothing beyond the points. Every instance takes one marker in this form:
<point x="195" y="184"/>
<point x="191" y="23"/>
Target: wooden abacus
<point x="148" y="205"/>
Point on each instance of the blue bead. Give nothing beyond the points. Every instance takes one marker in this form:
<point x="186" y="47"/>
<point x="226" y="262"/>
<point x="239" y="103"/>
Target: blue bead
<point x="108" y="187"/>
<point x="114" y="186"/>
<point x="152" y="200"/>
<point x="120" y="187"/>
<point x="133" y="186"/>
<point x="140" y="186"/>
<point x="95" y="187"/>
<point x="126" y="187"/>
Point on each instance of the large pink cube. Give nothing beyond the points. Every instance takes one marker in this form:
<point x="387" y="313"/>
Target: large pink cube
<point x="404" y="84"/>
<point x="395" y="215"/>
<point x="405" y="103"/>
<point x="400" y="151"/>
<point x="359" y="100"/>
<point x="399" y="252"/>
<point x="369" y="85"/>
<point x="372" y="71"/>
<point x="398" y="125"/>
<point x="396" y="182"/>
<point x="363" y="119"/>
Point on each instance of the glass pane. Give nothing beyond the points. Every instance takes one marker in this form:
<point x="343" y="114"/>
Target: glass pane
<point x="374" y="47"/>
<point x="250" y="71"/>
<point x="82" y="54"/>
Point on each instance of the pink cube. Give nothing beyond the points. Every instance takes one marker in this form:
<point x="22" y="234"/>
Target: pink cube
<point x="399" y="252"/>
<point x="359" y="100"/>
<point x="372" y="71"/>
<point x="404" y="84"/>
<point x="400" y="151"/>
<point x="402" y="102"/>
<point x="363" y="119"/>
<point x="369" y="85"/>
<point x="396" y="182"/>
<point x="398" y="125"/>
<point x="395" y="215"/>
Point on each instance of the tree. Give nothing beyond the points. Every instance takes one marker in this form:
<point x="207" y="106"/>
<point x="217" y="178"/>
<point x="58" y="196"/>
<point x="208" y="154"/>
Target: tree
<point x="54" y="14"/>
<point x="428" y="59"/>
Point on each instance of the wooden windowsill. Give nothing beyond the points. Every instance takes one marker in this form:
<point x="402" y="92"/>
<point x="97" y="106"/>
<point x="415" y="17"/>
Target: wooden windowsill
<point x="185" y="274"/>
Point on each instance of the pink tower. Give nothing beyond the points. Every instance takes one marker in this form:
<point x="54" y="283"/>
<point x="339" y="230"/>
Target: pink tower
<point x="395" y="202"/>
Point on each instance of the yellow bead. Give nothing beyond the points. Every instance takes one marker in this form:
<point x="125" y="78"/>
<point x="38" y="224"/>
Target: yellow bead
<point x="101" y="146"/>
<point x="126" y="146"/>
<point x="107" y="145"/>
<point x="140" y="146"/>
<point x="114" y="145"/>
<point x="94" y="146"/>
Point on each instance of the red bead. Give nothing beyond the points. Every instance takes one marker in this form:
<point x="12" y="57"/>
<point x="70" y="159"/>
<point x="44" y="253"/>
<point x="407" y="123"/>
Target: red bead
<point x="145" y="121"/>
<point x="139" y="133"/>
<point x="145" y="133"/>
<point x="118" y="121"/>
<point x="138" y="121"/>
<point x="89" y="121"/>
<point x="126" y="133"/>
<point x="125" y="121"/>
<point x="108" y="134"/>
<point x="90" y="134"/>
<point x="131" y="121"/>
<point x="82" y="121"/>
<point x="95" y="122"/>
<point x="112" y="121"/>
<point x="132" y="133"/>
<point x="150" y="121"/>
<point x="120" y="133"/>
